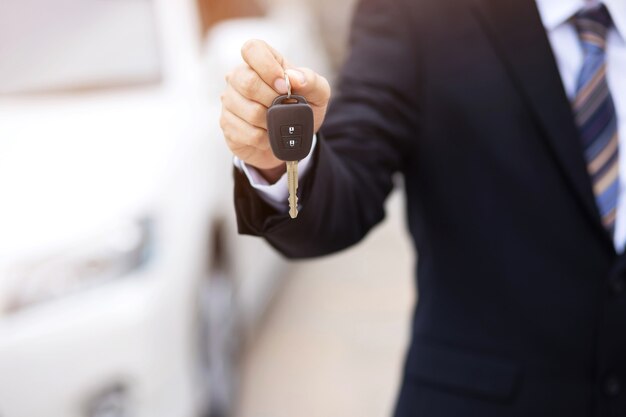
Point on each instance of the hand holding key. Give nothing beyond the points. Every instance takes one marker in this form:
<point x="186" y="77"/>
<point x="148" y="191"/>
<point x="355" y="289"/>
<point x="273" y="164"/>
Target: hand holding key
<point x="251" y="90"/>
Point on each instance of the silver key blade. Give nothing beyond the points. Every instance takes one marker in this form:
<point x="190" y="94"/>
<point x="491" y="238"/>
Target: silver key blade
<point x="292" y="183"/>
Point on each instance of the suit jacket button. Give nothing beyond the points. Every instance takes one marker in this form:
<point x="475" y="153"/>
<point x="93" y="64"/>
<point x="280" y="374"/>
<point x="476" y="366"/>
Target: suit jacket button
<point x="612" y="386"/>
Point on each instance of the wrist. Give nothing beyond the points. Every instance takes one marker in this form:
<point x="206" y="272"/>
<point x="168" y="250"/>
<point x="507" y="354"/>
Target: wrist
<point x="272" y="175"/>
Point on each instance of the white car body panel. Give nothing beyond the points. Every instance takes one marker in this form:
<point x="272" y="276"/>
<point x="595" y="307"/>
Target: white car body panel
<point x="73" y="165"/>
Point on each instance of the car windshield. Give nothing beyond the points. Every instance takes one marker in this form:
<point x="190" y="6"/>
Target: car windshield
<point x="51" y="46"/>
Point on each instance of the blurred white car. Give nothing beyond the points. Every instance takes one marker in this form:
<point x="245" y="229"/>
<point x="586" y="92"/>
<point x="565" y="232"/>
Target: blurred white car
<point x="122" y="281"/>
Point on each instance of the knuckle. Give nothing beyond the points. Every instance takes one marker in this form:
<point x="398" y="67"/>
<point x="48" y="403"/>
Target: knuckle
<point x="227" y="103"/>
<point x="257" y="137"/>
<point x="257" y="114"/>
<point x="249" y="82"/>
<point x="236" y="71"/>
<point x="223" y="123"/>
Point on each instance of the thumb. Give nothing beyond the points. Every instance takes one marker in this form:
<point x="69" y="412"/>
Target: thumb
<point x="309" y="84"/>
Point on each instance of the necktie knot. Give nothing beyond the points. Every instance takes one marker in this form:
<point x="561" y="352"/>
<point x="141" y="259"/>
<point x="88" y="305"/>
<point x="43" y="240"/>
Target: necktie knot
<point x="593" y="24"/>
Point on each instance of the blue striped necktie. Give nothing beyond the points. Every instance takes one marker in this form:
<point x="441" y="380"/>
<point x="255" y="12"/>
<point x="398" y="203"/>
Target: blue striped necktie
<point x="594" y="111"/>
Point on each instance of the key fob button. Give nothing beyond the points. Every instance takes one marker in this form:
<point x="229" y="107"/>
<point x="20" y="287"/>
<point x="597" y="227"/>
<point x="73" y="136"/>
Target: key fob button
<point x="291" y="130"/>
<point x="292" y="142"/>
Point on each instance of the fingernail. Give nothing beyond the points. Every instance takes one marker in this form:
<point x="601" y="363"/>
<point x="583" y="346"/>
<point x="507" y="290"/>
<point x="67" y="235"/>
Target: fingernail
<point x="297" y="75"/>
<point x="280" y="85"/>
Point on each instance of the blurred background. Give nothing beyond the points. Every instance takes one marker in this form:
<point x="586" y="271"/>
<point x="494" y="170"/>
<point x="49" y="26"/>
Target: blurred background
<point x="125" y="290"/>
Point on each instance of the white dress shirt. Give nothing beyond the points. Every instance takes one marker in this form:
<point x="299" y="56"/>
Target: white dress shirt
<point x="274" y="194"/>
<point x="555" y="15"/>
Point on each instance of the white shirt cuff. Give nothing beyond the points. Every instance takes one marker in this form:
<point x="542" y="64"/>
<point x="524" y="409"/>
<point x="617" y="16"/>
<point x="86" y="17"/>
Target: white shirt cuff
<point x="276" y="195"/>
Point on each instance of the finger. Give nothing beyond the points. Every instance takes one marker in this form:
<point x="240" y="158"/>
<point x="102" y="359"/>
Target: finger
<point x="248" y="83"/>
<point x="238" y="131"/>
<point x="309" y="84"/>
<point x="248" y="110"/>
<point x="265" y="61"/>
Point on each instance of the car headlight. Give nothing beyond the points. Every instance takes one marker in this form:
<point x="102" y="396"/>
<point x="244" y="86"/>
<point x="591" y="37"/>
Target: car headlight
<point x="107" y="256"/>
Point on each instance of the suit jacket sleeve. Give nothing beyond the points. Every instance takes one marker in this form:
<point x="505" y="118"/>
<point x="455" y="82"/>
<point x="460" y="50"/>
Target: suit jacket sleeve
<point x="365" y="139"/>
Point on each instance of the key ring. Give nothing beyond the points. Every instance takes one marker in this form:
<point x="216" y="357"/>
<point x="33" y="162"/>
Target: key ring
<point x="288" y="85"/>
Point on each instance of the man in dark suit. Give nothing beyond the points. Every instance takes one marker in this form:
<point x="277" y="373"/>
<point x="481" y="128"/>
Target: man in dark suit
<point x="503" y="117"/>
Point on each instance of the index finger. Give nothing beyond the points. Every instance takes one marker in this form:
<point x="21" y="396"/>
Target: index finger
<point x="265" y="61"/>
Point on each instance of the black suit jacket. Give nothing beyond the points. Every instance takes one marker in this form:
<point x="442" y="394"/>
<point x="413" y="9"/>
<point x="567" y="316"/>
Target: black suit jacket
<point x="522" y="310"/>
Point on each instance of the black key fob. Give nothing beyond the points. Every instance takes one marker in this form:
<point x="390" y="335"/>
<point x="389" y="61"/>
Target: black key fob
<point x="290" y="127"/>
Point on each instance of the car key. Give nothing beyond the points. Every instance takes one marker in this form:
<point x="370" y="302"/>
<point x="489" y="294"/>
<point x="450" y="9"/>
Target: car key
<point x="290" y="129"/>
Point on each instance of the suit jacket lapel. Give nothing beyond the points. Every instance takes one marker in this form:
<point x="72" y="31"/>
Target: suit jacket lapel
<point x="515" y="29"/>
